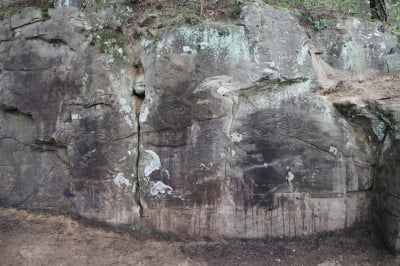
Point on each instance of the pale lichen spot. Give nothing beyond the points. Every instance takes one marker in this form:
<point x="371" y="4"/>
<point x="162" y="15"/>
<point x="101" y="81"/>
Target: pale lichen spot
<point x="290" y="177"/>
<point x="128" y="120"/>
<point x="75" y="116"/>
<point x="222" y="90"/>
<point x="125" y="108"/>
<point x="186" y="49"/>
<point x="122" y="159"/>
<point x="168" y="174"/>
<point x="121" y="181"/>
<point x="303" y="55"/>
<point x="143" y="115"/>
<point x="160" y="188"/>
<point x="236" y="137"/>
<point x="204" y="45"/>
<point x="333" y="150"/>
<point x="154" y="165"/>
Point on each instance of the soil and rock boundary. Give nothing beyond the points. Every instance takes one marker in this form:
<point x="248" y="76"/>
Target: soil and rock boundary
<point x="32" y="238"/>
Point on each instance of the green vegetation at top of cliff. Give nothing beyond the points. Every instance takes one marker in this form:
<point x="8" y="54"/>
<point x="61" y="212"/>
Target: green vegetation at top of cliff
<point x="396" y="32"/>
<point x="10" y="8"/>
<point x="325" y="9"/>
<point x="112" y="43"/>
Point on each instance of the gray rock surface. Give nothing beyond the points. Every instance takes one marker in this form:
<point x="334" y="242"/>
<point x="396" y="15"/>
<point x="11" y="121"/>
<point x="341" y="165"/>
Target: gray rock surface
<point x="68" y="127"/>
<point x="246" y="130"/>
<point x="373" y="107"/>
<point x="357" y="47"/>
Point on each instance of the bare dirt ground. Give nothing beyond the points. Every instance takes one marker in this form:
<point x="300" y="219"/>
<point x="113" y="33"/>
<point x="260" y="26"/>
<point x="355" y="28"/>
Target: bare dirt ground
<point x="28" y="238"/>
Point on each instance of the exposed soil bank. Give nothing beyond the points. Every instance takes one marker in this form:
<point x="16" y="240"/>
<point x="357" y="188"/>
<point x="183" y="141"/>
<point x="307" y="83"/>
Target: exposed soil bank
<point x="28" y="238"/>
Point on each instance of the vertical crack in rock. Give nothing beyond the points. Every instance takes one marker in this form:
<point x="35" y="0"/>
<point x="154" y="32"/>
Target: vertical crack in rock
<point x="139" y="102"/>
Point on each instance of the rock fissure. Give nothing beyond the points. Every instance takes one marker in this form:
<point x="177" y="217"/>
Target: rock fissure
<point x="53" y="41"/>
<point x="137" y="166"/>
<point x="310" y="144"/>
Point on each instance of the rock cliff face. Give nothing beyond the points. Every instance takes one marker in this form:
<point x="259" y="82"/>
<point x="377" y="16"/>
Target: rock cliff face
<point x="261" y="128"/>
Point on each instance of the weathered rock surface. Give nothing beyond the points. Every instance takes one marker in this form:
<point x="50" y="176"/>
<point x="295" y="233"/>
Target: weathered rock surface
<point x="373" y="108"/>
<point x="244" y="131"/>
<point x="68" y="128"/>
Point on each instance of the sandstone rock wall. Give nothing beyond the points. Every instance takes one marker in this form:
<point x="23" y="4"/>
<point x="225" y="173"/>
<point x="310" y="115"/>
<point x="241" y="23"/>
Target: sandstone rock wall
<point x="68" y="130"/>
<point x="218" y="130"/>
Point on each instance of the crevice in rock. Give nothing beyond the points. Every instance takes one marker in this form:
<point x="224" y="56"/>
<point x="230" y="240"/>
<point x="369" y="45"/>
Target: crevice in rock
<point x="89" y="105"/>
<point x="95" y="103"/>
<point x="26" y="24"/>
<point x="9" y="137"/>
<point x="339" y="156"/>
<point x="138" y="105"/>
<point x="53" y="41"/>
<point x="124" y="137"/>
<point x="267" y="84"/>
<point x="310" y="144"/>
<point x="27" y="69"/>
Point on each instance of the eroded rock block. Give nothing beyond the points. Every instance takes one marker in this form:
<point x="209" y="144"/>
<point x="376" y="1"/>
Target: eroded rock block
<point x="70" y="139"/>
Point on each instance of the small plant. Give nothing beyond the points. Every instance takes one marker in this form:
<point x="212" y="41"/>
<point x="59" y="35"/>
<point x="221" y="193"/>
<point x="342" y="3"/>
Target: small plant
<point x="320" y="25"/>
<point x="236" y="11"/>
<point x="396" y="32"/>
<point x="44" y="11"/>
<point x="191" y="18"/>
<point x="286" y="6"/>
<point x="157" y="39"/>
<point x="86" y="33"/>
<point x="223" y="32"/>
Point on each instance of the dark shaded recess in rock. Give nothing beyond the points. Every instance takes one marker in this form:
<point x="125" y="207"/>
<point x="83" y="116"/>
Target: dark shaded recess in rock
<point x="259" y="187"/>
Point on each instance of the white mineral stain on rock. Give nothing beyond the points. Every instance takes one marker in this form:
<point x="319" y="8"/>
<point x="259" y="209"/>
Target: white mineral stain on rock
<point x="160" y="188"/>
<point x="223" y="90"/>
<point x="206" y="179"/>
<point x="154" y="165"/>
<point x="143" y="115"/>
<point x="204" y="45"/>
<point x="186" y="49"/>
<point x="128" y="120"/>
<point x="61" y="3"/>
<point x="270" y="74"/>
<point x="290" y="177"/>
<point x="75" y="116"/>
<point x="168" y="174"/>
<point x="386" y="144"/>
<point x="236" y="137"/>
<point x="122" y="101"/>
<point x="120" y="180"/>
<point x="122" y="159"/>
<point x="333" y="150"/>
<point x="125" y="108"/>
<point x="145" y="43"/>
<point x="303" y="55"/>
